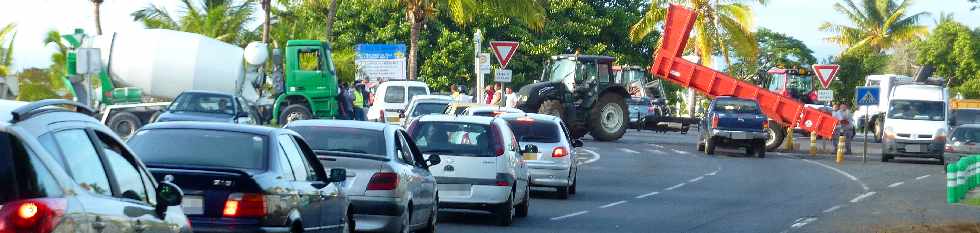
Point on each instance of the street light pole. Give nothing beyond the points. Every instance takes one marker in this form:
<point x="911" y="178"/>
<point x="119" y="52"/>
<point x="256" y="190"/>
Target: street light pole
<point x="477" y="41"/>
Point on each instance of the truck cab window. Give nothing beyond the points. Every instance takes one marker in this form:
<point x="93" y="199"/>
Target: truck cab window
<point x="309" y="60"/>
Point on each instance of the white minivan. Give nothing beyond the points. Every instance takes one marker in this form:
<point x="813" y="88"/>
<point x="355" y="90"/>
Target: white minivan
<point x="481" y="165"/>
<point x="392" y="97"/>
<point x="915" y="123"/>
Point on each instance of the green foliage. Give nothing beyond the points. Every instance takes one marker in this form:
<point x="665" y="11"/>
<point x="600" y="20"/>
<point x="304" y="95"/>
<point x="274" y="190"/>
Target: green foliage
<point x="877" y="25"/>
<point x="775" y="50"/>
<point x="343" y="60"/>
<point x="223" y="20"/>
<point x="903" y="60"/>
<point x="7" y="35"/>
<point x="443" y="67"/>
<point x="969" y="89"/>
<point x="57" y="69"/>
<point x="954" y="50"/>
<point x="35" y="84"/>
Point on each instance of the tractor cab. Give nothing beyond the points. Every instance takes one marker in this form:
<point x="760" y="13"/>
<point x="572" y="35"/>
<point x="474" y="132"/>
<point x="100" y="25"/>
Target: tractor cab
<point x="795" y="83"/>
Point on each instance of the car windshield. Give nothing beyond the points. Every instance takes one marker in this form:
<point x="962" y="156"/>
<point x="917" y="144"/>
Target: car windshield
<point x="453" y="138"/>
<point x="203" y="103"/>
<point x="429" y="108"/>
<point x="343" y="139"/>
<point x="966" y="116"/>
<point x="562" y="69"/>
<point x="530" y="130"/>
<point x="916" y="110"/>
<point x="966" y="134"/>
<point x="736" y="106"/>
<point x="200" y="147"/>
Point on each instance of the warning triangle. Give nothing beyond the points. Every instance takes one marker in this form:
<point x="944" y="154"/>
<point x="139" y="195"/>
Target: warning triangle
<point x="504" y="51"/>
<point x="868" y="99"/>
<point x="825" y="73"/>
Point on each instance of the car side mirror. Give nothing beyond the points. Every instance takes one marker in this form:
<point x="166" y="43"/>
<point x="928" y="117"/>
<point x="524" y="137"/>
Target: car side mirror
<point x="530" y="149"/>
<point x="168" y="194"/>
<point x="337" y="175"/>
<point x="434" y="160"/>
<point x="577" y="143"/>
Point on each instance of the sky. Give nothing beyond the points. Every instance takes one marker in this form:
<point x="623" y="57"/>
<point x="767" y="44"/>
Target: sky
<point x="34" y="18"/>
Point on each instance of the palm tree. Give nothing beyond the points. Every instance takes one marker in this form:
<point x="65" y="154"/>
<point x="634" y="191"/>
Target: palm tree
<point x="719" y="27"/>
<point x="266" y="4"/>
<point x="223" y="20"/>
<point x="57" y="69"/>
<point x="7" y="53"/>
<point x="98" y="16"/>
<point x="461" y="12"/>
<point x="878" y="25"/>
<point x="331" y="16"/>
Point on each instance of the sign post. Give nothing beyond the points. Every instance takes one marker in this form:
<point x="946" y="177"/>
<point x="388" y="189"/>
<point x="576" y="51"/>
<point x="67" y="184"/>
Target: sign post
<point x="826" y="73"/>
<point x="477" y="41"/>
<point x="866" y="96"/>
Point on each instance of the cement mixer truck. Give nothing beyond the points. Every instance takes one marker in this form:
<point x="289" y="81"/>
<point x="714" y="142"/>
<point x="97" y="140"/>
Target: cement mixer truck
<point x="139" y="71"/>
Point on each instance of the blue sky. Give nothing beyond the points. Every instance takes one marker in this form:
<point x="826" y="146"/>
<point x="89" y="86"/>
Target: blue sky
<point x="796" y="18"/>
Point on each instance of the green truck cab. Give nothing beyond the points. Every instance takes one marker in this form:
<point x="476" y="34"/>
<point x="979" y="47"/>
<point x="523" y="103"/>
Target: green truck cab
<point x="310" y="83"/>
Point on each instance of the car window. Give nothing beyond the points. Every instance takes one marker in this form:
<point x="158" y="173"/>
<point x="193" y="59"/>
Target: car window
<point x="917" y="110"/>
<point x="313" y="168"/>
<point x="23" y="175"/>
<point x="404" y="151"/>
<point x="529" y="130"/>
<point x="420" y="161"/>
<point x="966" y="134"/>
<point x="203" y="103"/>
<point x="414" y="91"/>
<point x="395" y="94"/>
<point x="354" y="140"/>
<point x="296" y="160"/>
<point x="429" y="108"/>
<point x="86" y="167"/>
<point x="125" y="172"/>
<point x="189" y="147"/>
<point x="735" y="106"/>
<point x="284" y="164"/>
<point x="458" y="138"/>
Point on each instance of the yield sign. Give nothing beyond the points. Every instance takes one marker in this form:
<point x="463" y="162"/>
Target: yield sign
<point x="504" y="50"/>
<point x="825" y="73"/>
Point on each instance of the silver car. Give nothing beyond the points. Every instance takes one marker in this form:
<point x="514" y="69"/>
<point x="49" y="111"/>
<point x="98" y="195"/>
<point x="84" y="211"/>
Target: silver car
<point x="963" y="141"/>
<point x="424" y="105"/>
<point x="554" y="165"/>
<point x="389" y="184"/>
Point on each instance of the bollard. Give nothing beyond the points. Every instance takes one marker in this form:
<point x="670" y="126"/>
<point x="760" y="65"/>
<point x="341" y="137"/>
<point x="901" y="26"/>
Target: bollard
<point x="951" y="184"/>
<point x="813" y="143"/>
<point x="970" y="172"/>
<point x="960" y="179"/>
<point x="840" y="149"/>
<point x="790" y="146"/>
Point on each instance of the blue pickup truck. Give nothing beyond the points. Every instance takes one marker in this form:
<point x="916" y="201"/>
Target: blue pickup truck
<point x="734" y="122"/>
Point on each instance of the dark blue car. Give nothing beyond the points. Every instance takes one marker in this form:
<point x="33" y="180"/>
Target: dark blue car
<point x="734" y="122"/>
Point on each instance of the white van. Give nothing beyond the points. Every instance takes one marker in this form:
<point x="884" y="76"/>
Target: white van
<point x="875" y="114"/>
<point x="392" y="97"/>
<point x="916" y="123"/>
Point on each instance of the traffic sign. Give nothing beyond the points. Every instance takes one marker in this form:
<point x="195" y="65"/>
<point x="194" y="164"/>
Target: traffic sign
<point x="867" y="96"/>
<point x="485" y="63"/>
<point x="825" y="95"/>
<point x="826" y="73"/>
<point x="504" y="50"/>
<point x="502" y="76"/>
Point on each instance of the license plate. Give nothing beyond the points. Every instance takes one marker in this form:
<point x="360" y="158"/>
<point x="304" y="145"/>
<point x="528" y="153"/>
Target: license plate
<point x="530" y="156"/>
<point x="454" y="187"/>
<point x="914" y="148"/>
<point x="193" y="205"/>
<point x="740" y="135"/>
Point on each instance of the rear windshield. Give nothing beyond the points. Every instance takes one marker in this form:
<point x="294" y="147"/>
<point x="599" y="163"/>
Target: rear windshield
<point x="917" y="110"/>
<point x="203" y="102"/>
<point x="414" y="91"/>
<point x="736" y="106"/>
<point x="966" y="134"/>
<point x="966" y="116"/>
<point x="363" y="141"/>
<point x="197" y="147"/>
<point x="395" y="94"/>
<point x="429" y="108"/>
<point x="535" y="131"/>
<point x="22" y="174"/>
<point x="453" y="138"/>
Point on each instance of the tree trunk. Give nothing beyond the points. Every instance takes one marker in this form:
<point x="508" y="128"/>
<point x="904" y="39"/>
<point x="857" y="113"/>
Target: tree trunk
<point x="265" y="25"/>
<point x="331" y="14"/>
<point x="98" y="20"/>
<point x="413" y="43"/>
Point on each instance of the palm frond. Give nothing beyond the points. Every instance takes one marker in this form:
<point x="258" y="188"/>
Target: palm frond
<point x="647" y="24"/>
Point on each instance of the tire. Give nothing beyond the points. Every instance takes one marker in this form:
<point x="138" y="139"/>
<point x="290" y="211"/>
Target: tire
<point x="350" y="226"/>
<point x="574" y="187"/>
<point x="522" y="208"/>
<point x="564" y="192"/>
<point x="700" y="146"/>
<point x="776" y="136"/>
<point x="760" y="150"/>
<point x="433" y="220"/>
<point x="296" y="229"/>
<point x="505" y="212"/>
<point x="552" y="107"/>
<point x="125" y="124"/>
<point x="709" y="146"/>
<point x="750" y="150"/>
<point x="294" y="112"/>
<point x="608" y="118"/>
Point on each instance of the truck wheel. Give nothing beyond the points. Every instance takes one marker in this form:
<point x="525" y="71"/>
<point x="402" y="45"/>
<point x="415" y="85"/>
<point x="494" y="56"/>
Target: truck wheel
<point x="709" y="146"/>
<point x="776" y="136"/>
<point x="125" y="124"/>
<point x="552" y="107"/>
<point x="294" y="112"/>
<point x="607" y="121"/>
<point x="879" y="131"/>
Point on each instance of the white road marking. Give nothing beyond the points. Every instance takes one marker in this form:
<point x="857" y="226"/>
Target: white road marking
<point x="800" y="222"/>
<point x="696" y="179"/>
<point x="896" y="184"/>
<point x="922" y="177"/>
<point x="596" y="156"/>
<point x="629" y="151"/>
<point x="612" y="204"/>
<point x="658" y="146"/>
<point x="831" y="209"/>
<point x="862" y="197"/>
<point x="569" y="215"/>
<point x="848" y="175"/>
<point x="647" y="195"/>
<point x="712" y="173"/>
<point x="680" y="151"/>
<point x="674" y="187"/>
<point x="655" y="151"/>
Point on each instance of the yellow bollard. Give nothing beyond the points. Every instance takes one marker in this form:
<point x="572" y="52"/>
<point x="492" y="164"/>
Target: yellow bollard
<point x="840" y="150"/>
<point x="813" y="143"/>
<point x="790" y="146"/>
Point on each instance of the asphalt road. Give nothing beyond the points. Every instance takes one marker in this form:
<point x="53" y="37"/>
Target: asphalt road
<point x="652" y="182"/>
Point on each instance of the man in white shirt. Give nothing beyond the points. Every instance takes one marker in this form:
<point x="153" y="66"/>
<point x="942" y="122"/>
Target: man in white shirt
<point x="511" y="98"/>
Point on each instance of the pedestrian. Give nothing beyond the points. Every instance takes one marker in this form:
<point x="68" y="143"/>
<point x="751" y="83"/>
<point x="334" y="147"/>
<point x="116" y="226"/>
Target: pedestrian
<point x="511" y="98"/>
<point x="346" y="102"/>
<point x="844" y="127"/>
<point x="498" y="95"/>
<point x="454" y="92"/>
<point x="489" y="93"/>
<point x="358" y="103"/>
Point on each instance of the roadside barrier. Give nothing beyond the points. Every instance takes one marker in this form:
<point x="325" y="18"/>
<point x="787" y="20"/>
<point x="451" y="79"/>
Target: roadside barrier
<point x="961" y="177"/>
<point x="813" y="143"/>
<point x="840" y="149"/>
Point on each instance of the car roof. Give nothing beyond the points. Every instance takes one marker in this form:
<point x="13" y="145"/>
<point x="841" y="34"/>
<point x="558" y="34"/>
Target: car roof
<point x="467" y="104"/>
<point x="207" y="92"/>
<point x="968" y="126"/>
<point x="450" y="118"/>
<point x="535" y="116"/>
<point x="590" y="58"/>
<point x="368" y="125"/>
<point x="251" y="129"/>
<point x="432" y="97"/>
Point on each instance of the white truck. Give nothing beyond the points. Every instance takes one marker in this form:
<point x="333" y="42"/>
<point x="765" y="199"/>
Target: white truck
<point x="874" y="115"/>
<point x="916" y="122"/>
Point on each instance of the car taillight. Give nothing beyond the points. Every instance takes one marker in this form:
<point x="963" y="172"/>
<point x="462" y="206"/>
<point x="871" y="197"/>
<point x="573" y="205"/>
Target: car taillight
<point x="498" y="140"/>
<point x="244" y="205"/>
<point x="503" y="180"/>
<point x="32" y="215"/>
<point x="765" y="124"/>
<point x="714" y="121"/>
<point x="559" y="152"/>
<point x="383" y="181"/>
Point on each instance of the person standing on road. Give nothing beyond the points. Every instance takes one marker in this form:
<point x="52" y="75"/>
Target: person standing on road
<point x="358" y="103"/>
<point x="489" y="93"/>
<point x="511" y="98"/>
<point x="844" y="127"/>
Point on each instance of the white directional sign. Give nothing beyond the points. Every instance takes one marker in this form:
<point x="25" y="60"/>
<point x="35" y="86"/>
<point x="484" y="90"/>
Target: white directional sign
<point x="825" y="73"/>
<point x="502" y="76"/>
<point x="825" y="95"/>
<point x="504" y="50"/>
<point x="485" y="63"/>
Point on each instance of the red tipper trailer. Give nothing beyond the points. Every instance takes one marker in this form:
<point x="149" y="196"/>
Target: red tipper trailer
<point x="668" y="64"/>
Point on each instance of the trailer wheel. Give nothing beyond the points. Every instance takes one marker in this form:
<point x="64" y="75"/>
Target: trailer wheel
<point x="124" y="124"/>
<point x="776" y="135"/>
<point x="294" y="112"/>
<point x="607" y="121"/>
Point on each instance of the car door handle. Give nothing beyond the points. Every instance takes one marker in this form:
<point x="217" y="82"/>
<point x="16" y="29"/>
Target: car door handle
<point x="98" y="224"/>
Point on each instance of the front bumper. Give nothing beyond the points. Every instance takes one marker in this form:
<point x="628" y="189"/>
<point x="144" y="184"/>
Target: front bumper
<point x="377" y="214"/>
<point x="233" y="225"/>
<point x="933" y="149"/>
<point x="550" y="176"/>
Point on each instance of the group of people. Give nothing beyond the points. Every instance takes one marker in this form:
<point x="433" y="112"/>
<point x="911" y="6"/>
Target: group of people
<point x="498" y="97"/>
<point x="353" y="100"/>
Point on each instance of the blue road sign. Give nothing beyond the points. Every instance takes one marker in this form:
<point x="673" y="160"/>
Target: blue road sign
<point x="867" y="96"/>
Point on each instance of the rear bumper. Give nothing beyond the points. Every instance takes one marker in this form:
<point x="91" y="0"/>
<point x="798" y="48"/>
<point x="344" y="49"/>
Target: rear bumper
<point x="898" y="147"/>
<point x="377" y="214"/>
<point x="478" y="197"/>
<point x="738" y="135"/>
<point x="233" y="225"/>
<point x="550" y="176"/>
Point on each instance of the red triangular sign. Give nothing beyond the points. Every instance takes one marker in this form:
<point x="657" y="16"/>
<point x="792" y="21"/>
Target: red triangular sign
<point x="504" y="50"/>
<point x="825" y="73"/>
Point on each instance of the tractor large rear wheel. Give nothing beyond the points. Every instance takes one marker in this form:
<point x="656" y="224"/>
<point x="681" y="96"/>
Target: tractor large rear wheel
<point x="607" y="121"/>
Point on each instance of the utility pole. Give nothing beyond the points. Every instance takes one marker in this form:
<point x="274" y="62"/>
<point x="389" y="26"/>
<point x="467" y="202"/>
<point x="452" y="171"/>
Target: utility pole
<point x="477" y="41"/>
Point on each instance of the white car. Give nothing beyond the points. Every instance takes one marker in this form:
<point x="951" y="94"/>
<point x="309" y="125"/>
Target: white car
<point x="391" y="99"/>
<point x="425" y="105"/>
<point x="482" y="167"/>
<point x="555" y="166"/>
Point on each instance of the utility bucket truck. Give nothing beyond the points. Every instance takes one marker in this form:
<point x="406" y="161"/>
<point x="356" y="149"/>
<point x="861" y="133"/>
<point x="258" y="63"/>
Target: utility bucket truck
<point x="139" y="71"/>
